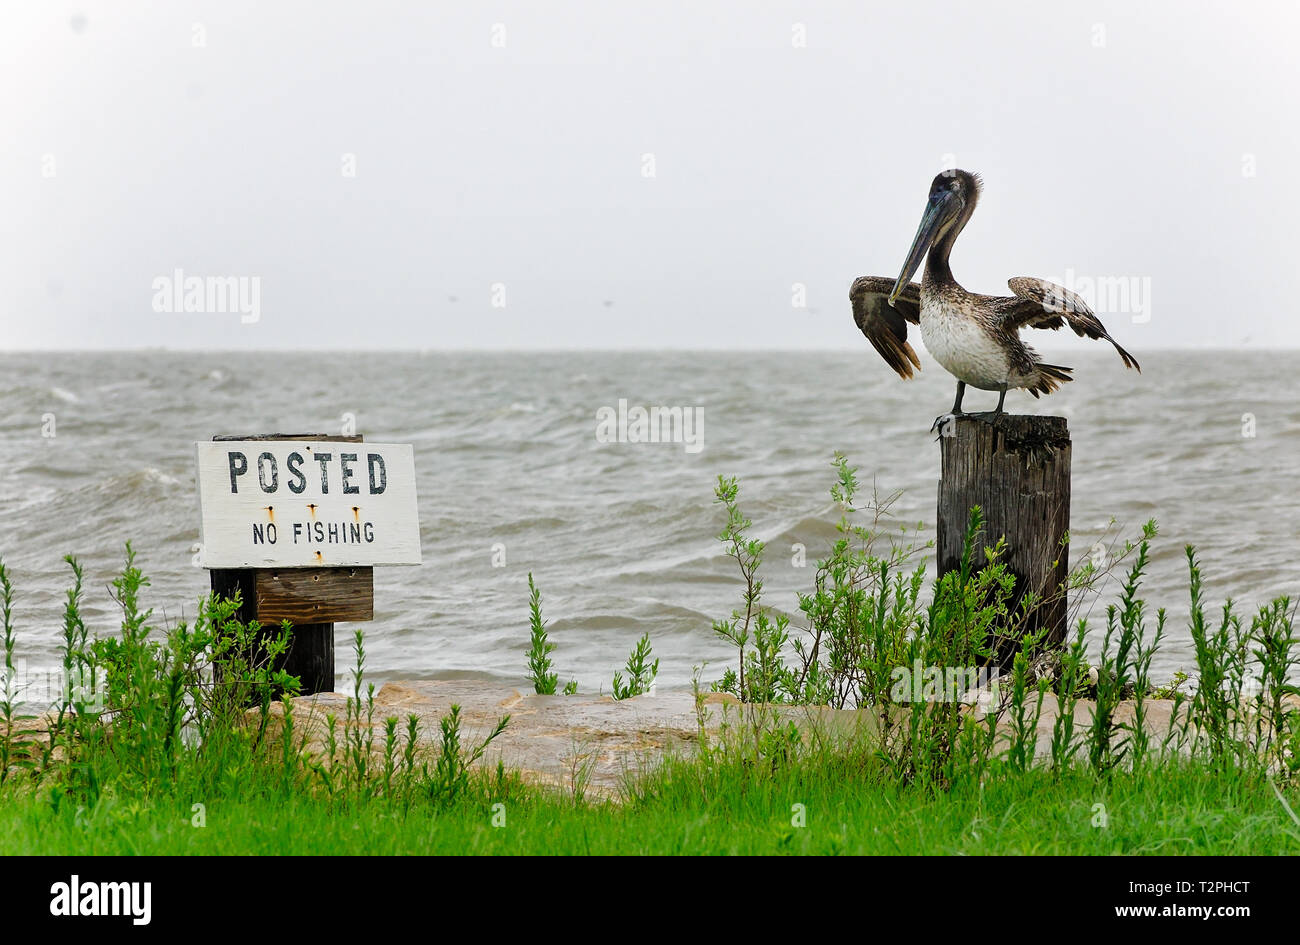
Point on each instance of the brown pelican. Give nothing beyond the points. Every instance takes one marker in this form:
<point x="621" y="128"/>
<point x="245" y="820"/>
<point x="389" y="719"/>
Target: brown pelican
<point x="975" y="337"/>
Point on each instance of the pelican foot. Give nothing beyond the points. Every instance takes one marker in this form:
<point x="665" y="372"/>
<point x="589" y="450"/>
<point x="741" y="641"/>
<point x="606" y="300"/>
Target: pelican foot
<point x="988" y="416"/>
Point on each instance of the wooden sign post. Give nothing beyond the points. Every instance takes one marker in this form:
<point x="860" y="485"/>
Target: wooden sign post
<point x="296" y="524"/>
<point x="1017" y="470"/>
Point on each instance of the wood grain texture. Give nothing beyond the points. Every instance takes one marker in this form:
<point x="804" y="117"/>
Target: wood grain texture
<point x="311" y="644"/>
<point x="1017" y="470"/>
<point x="314" y="595"/>
<point x="311" y="657"/>
<point x="314" y="501"/>
<point x="269" y="597"/>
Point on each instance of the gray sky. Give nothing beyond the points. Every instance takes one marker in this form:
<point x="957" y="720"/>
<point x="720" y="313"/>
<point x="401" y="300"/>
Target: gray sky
<point x="505" y="144"/>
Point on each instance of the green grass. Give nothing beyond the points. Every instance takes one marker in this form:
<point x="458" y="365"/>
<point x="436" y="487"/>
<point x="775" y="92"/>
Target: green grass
<point x="695" y="808"/>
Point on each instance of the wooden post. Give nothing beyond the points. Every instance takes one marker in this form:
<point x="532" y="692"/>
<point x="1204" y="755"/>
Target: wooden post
<point x="312" y="599"/>
<point x="1017" y="470"/>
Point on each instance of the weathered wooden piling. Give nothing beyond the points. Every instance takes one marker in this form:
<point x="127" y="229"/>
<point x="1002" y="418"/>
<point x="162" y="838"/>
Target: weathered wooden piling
<point x="312" y="599"/>
<point x="1017" y="470"/>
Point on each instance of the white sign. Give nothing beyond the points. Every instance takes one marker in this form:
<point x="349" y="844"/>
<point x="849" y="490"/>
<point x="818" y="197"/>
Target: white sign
<point x="291" y="503"/>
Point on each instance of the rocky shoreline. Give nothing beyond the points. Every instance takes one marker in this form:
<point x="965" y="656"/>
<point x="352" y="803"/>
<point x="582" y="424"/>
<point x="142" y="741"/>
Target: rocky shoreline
<point x="592" y="742"/>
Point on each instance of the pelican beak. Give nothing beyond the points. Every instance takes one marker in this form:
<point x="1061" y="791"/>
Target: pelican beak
<point x="942" y="207"/>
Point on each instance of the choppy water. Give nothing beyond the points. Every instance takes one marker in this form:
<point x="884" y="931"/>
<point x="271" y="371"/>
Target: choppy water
<point x="619" y="536"/>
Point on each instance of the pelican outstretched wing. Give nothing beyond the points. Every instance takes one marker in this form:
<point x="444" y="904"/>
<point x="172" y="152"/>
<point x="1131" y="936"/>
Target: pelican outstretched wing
<point x="1042" y="304"/>
<point x="885" y="325"/>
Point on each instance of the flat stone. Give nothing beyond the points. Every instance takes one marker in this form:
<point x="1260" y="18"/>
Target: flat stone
<point x="592" y="743"/>
<point x="573" y="742"/>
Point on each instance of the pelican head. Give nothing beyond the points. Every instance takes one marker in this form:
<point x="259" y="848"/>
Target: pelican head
<point x="952" y="200"/>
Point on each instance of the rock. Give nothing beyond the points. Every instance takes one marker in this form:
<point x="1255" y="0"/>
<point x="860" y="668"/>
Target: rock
<point x="590" y="743"/>
<point x="572" y="742"/>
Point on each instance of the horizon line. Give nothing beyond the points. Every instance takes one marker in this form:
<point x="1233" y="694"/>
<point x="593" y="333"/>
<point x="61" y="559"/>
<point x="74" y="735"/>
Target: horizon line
<point x="164" y="349"/>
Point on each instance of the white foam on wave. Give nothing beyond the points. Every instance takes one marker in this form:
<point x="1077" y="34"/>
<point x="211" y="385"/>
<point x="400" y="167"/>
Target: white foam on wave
<point x="157" y="475"/>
